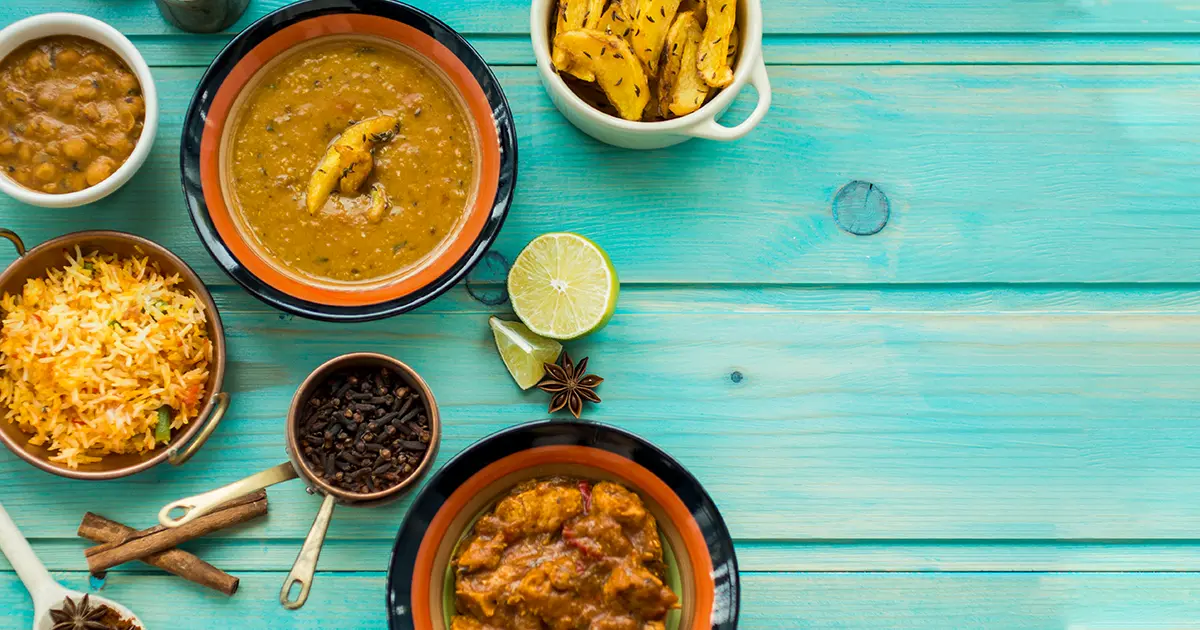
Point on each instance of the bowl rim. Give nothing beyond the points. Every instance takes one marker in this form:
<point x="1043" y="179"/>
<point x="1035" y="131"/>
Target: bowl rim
<point x="37" y="27"/>
<point x="256" y="33"/>
<point x="549" y="433"/>
<point x="748" y="59"/>
<point x="351" y="360"/>
<point x="217" y="366"/>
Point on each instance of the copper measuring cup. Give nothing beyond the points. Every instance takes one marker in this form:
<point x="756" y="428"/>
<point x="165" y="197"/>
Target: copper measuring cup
<point x="306" y="562"/>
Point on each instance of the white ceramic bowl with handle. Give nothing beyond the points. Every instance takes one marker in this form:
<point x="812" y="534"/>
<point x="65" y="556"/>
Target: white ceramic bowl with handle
<point x="49" y="25"/>
<point x="701" y="123"/>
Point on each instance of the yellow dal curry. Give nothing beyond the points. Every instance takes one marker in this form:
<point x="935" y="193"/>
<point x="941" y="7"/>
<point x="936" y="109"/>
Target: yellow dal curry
<point x="302" y="105"/>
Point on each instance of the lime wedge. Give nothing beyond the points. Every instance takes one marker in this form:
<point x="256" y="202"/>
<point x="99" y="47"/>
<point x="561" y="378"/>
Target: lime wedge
<point x="523" y="351"/>
<point x="563" y="286"/>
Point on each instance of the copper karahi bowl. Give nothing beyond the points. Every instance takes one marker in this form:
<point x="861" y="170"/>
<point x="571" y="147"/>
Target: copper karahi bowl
<point x="184" y="443"/>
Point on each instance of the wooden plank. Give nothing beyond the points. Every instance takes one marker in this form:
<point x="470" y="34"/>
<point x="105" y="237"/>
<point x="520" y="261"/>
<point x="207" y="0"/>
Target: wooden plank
<point x="888" y="422"/>
<point x="1032" y="601"/>
<point x="964" y="602"/>
<point x="974" y="49"/>
<point x="965" y="556"/>
<point x="780" y="16"/>
<point x="342" y="555"/>
<point x="685" y="299"/>
<point x="161" y="50"/>
<point x="817" y="49"/>
<point x="994" y="174"/>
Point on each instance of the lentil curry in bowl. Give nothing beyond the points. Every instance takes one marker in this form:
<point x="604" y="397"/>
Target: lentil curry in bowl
<point x="348" y="160"/>
<point x="72" y="113"/>
<point x="402" y="188"/>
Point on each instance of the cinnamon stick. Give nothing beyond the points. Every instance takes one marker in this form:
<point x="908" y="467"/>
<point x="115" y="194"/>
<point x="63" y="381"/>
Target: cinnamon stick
<point x="96" y="528"/>
<point x="148" y="541"/>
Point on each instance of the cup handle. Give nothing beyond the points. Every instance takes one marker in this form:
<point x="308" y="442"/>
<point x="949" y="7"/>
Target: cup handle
<point x="305" y="566"/>
<point x="712" y="130"/>
<point x="201" y="504"/>
<point x="178" y="459"/>
<point x="16" y="240"/>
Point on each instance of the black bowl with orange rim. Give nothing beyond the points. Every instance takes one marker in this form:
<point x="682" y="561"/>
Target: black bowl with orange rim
<point x="699" y="552"/>
<point x="279" y="32"/>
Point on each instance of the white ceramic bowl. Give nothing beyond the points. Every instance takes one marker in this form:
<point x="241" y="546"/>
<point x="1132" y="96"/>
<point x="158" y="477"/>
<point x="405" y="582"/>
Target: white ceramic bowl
<point x="701" y="123"/>
<point x="49" y="24"/>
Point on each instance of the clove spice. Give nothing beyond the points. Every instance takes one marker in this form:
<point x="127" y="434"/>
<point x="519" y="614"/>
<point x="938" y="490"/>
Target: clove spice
<point x="364" y="430"/>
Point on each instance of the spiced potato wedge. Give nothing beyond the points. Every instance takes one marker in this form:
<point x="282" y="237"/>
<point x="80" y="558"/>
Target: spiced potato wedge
<point x="617" y="70"/>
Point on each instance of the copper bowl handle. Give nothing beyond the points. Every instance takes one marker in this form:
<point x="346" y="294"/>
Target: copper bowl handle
<point x="178" y="459"/>
<point x="305" y="568"/>
<point x="201" y="504"/>
<point x="16" y="240"/>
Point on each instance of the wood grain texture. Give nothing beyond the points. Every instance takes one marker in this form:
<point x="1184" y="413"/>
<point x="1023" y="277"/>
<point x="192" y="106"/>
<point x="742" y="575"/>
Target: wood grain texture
<point x="974" y="601"/>
<point x="984" y="416"/>
<point x="780" y="16"/>
<point x="867" y="601"/>
<point x="996" y="174"/>
<point x="246" y="553"/>
<point x="822" y="49"/>
<point x="886" y="423"/>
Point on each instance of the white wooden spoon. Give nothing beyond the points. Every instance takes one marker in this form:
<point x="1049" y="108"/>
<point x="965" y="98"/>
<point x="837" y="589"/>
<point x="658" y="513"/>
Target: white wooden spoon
<point x="47" y="594"/>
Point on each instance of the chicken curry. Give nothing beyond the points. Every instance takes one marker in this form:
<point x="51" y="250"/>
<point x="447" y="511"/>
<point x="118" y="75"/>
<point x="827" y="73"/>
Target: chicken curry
<point x="562" y="554"/>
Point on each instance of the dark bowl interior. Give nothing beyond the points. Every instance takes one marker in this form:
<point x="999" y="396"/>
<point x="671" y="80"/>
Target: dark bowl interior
<point x="220" y="69"/>
<point x="52" y="254"/>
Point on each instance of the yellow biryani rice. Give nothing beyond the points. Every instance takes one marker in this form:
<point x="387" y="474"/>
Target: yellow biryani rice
<point x="93" y="351"/>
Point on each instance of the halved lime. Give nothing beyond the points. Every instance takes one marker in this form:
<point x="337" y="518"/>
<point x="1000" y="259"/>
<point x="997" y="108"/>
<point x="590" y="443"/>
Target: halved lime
<point x="524" y="352"/>
<point x="563" y="286"/>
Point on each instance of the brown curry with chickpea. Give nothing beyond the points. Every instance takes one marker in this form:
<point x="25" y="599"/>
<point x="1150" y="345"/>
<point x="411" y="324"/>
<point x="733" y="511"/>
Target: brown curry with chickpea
<point x="563" y="554"/>
<point x="351" y="160"/>
<point x="71" y="113"/>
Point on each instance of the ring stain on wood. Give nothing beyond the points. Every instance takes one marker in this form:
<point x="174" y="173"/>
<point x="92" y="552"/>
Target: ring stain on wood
<point x="861" y="208"/>
<point x="487" y="282"/>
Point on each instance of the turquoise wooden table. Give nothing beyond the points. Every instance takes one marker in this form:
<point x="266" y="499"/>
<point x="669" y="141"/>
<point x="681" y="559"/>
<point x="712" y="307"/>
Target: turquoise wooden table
<point x="986" y="415"/>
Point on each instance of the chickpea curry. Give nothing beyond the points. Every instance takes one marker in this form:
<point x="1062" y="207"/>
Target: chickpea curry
<point x="351" y="160"/>
<point x="562" y="554"/>
<point x="71" y="114"/>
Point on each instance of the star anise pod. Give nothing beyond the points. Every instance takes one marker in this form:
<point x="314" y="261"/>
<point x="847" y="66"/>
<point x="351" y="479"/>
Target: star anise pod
<point x="569" y="385"/>
<point x="81" y="616"/>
